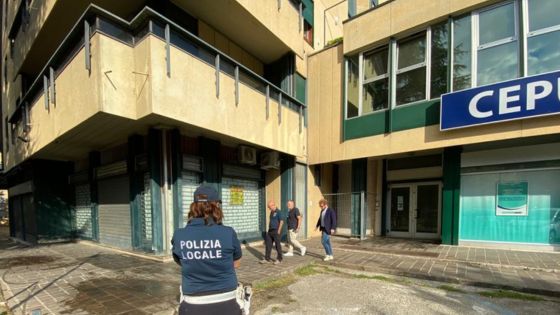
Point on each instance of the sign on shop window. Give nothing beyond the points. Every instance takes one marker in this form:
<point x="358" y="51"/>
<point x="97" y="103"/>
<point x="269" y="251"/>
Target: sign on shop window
<point x="236" y="196"/>
<point x="511" y="199"/>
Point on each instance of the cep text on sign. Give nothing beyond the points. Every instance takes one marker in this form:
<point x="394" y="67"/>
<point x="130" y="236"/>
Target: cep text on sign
<point x="509" y="100"/>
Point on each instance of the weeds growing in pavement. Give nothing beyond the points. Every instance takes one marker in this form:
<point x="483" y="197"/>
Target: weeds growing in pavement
<point x="450" y="288"/>
<point x="503" y="294"/>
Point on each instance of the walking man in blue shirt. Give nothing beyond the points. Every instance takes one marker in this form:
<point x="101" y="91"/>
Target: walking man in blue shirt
<point x="273" y="234"/>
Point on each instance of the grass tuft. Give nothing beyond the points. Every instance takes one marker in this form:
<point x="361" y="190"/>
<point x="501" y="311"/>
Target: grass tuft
<point x="308" y="270"/>
<point x="449" y="288"/>
<point x="503" y="294"/>
<point x="275" y="283"/>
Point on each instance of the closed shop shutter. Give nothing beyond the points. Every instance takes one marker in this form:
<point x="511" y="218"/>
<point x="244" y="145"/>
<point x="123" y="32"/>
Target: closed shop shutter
<point x="84" y="220"/>
<point x="114" y="212"/>
<point x="242" y="201"/>
<point x="190" y="181"/>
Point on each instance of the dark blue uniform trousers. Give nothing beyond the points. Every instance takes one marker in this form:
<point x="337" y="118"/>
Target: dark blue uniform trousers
<point x="272" y="237"/>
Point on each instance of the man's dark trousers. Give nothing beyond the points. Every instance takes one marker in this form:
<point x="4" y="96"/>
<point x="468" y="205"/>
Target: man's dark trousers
<point x="272" y="237"/>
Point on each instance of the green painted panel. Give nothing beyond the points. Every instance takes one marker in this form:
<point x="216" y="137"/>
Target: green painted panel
<point x="286" y="187"/>
<point x="301" y="88"/>
<point x="365" y="126"/>
<point x="416" y="115"/>
<point x="134" y="203"/>
<point x="451" y="195"/>
<point x="401" y="118"/>
<point x="94" y="161"/>
<point x="176" y="167"/>
<point x="53" y="199"/>
<point x="154" y="162"/>
<point x="308" y="11"/>
<point x="359" y="182"/>
<point x="351" y="8"/>
<point x="212" y="172"/>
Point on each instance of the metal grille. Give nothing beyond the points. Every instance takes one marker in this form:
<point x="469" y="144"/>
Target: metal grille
<point x="351" y="213"/>
<point x="241" y="201"/>
<point x="189" y="181"/>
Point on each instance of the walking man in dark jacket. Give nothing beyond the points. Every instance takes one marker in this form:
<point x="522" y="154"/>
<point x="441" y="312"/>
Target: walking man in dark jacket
<point x="327" y="224"/>
<point x="273" y="235"/>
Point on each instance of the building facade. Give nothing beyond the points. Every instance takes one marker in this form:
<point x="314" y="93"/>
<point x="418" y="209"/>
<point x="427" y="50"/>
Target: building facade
<point x="432" y="121"/>
<point x="113" y="112"/>
<point x="488" y="178"/>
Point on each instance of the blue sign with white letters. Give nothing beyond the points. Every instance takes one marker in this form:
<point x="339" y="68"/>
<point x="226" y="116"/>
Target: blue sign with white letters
<point x="526" y="97"/>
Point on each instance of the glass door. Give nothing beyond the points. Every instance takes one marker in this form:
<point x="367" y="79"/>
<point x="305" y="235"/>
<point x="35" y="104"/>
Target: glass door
<point x="427" y="210"/>
<point x="415" y="210"/>
<point x="399" y="218"/>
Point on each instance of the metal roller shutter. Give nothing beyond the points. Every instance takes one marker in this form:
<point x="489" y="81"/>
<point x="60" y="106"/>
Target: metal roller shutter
<point x="114" y="212"/>
<point x="189" y="182"/>
<point x="84" y="220"/>
<point x="241" y="202"/>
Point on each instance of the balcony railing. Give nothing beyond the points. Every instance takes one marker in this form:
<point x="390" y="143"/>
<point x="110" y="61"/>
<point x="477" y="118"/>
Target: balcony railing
<point x="148" y="21"/>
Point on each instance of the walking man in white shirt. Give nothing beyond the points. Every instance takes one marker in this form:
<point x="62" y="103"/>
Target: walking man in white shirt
<point x="294" y="223"/>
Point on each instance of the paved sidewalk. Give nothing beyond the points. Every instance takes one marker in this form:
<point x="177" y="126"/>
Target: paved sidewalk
<point x="82" y="279"/>
<point x="531" y="272"/>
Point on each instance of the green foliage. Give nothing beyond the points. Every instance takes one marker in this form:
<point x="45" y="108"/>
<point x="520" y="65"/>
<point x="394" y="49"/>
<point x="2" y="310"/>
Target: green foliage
<point x="449" y="288"/>
<point x="304" y="271"/>
<point x="503" y="294"/>
<point x="334" y="41"/>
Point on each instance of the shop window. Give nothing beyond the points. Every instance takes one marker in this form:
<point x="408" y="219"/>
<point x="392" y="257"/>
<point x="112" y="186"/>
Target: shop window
<point x="352" y="87"/>
<point x="497" y="51"/>
<point x="301" y="87"/>
<point x="411" y="70"/>
<point x="543" y="36"/>
<point x="375" y="92"/>
<point x="521" y="206"/>
<point x="439" y="60"/>
<point x="462" y="53"/>
<point x="317" y="175"/>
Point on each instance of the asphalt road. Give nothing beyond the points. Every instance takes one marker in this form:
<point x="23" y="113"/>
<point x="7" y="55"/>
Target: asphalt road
<point x="347" y="293"/>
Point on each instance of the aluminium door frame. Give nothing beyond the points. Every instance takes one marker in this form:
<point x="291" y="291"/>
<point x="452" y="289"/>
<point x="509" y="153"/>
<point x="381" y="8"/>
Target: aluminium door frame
<point x="413" y="190"/>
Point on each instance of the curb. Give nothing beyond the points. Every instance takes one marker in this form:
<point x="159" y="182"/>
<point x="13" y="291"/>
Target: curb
<point x="544" y="292"/>
<point x="471" y="263"/>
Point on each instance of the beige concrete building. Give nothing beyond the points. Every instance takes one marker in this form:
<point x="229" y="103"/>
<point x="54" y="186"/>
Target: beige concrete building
<point x="380" y="144"/>
<point x="429" y="120"/>
<point x="113" y="112"/>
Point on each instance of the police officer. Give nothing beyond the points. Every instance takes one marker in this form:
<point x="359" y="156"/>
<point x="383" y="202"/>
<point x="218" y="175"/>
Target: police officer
<point x="208" y="253"/>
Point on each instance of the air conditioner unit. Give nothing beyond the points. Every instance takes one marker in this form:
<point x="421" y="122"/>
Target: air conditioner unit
<point x="247" y="155"/>
<point x="270" y="160"/>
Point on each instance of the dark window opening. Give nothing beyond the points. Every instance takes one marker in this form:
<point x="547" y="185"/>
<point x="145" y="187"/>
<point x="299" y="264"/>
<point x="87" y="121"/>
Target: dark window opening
<point x="308" y="32"/>
<point x="317" y="175"/>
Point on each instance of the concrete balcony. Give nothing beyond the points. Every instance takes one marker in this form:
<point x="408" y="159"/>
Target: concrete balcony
<point x="133" y="75"/>
<point x="267" y="29"/>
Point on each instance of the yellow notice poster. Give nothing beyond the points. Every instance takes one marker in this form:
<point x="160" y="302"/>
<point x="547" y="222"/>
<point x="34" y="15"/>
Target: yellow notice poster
<point x="236" y="196"/>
